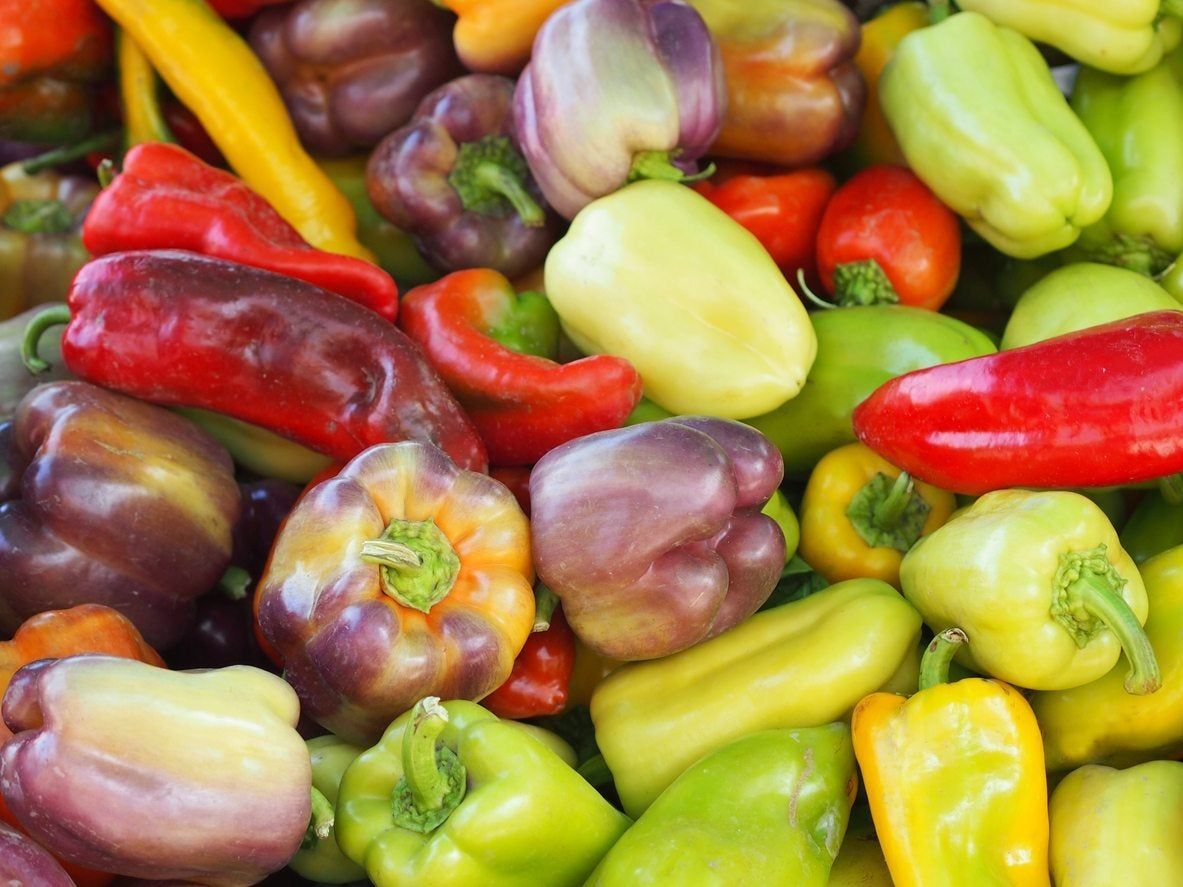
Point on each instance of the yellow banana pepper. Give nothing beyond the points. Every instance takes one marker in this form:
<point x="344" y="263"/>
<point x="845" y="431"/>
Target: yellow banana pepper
<point x="860" y="515"/>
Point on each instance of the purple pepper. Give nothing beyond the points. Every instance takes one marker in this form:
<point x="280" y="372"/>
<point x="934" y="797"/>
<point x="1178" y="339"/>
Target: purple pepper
<point x="652" y="535"/>
<point x="455" y="179"/>
<point x="617" y="90"/>
<point x="25" y="862"/>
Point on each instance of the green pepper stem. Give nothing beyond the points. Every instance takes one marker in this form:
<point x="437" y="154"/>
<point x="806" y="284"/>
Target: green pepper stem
<point x="320" y="825"/>
<point x="105" y="173"/>
<point x="660" y="165"/>
<point x="1095" y="594"/>
<point x="934" y="665"/>
<point x="417" y="565"/>
<point x="491" y="172"/>
<point x="389" y="554"/>
<point x="434" y="780"/>
<point x="863" y="283"/>
<point x="58" y="315"/>
<point x="545" y="602"/>
<point x="68" y="153"/>
<point x="1171" y="488"/>
<point x="810" y="294"/>
<point x="234" y="583"/>
<point x="495" y="177"/>
<point x="888" y="513"/>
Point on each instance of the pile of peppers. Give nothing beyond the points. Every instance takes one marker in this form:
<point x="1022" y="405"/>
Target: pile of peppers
<point x="530" y="443"/>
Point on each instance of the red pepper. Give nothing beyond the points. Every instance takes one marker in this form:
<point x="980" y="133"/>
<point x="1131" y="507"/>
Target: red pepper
<point x="523" y="405"/>
<point x="181" y="329"/>
<point x="541" y="676"/>
<point x="517" y="479"/>
<point x="166" y="198"/>
<point x="1095" y="408"/>
<point x="241" y="8"/>
<point x="886" y="237"/>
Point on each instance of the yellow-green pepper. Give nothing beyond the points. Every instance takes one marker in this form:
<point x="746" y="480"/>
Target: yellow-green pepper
<point x="320" y="859"/>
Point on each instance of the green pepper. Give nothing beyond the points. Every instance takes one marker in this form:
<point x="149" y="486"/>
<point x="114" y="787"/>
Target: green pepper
<point x="779" y="510"/>
<point x="768" y="808"/>
<point x="453" y="795"/>
<point x="320" y="859"/>
<point x="1155" y="526"/>
<point x="858" y="349"/>
<point x="263" y="452"/>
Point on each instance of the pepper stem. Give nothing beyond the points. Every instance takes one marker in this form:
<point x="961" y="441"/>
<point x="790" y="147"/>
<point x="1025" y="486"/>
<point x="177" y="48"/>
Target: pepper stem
<point x="416" y="563"/>
<point x="887" y="513"/>
<point x="69" y="153"/>
<point x="810" y="294"/>
<point x="434" y="780"/>
<point x="320" y="826"/>
<point x="863" y="283"/>
<point x="234" y="583"/>
<point x="545" y="602"/>
<point x="490" y="178"/>
<point x="660" y="165"/>
<point x="58" y="315"/>
<point x="934" y="665"/>
<point x="891" y="509"/>
<point x="1171" y="488"/>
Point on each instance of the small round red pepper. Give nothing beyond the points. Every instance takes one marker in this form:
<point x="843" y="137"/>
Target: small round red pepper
<point x="541" y="676"/>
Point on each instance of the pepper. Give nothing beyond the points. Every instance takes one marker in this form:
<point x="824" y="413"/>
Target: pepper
<point x="794" y="93"/>
<point x="452" y="795"/>
<point x="215" y="750"/>
<point x="983" y="124"/>
<point x="241" y="8"/>
<point x="187" y="330"/>
<point x="1094" y="408"/>
<point x="860" y="515"/>
<point x="139" y="91"/>
<point x="724" y="821"/>
<point x="858" y="349"/>
<point x="541" y="677"/>
<point x="1125" y="39"/>
<point x="976" y="813"/>
<point x="658" y="275"/>
<point x="495" y="36"/>
<point x="860" y="862"/>
<point x="493" y="348"/>
<point x="256" y="449"/>
<point x="1042" y="584"/>
<point x="214" y="73"/>
<point x="320" y="858"/>
<point x="401" y="575"/>
<point x="812" y="659"/>
<point x="15" y="380"/>
<point x="23" y="861"/>
<point x="119" y="503"/>
<point x="1100" y="722"/>
<point x="1118" y="826"/>
<point x="1155" y="526"/>
<point x="652" y="536"/>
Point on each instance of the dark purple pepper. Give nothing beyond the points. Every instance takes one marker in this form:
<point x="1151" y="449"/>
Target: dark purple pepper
<point x="265" y="503"/>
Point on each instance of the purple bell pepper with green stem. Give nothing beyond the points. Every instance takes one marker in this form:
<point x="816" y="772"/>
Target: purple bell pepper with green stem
<point x="618" y="90"/>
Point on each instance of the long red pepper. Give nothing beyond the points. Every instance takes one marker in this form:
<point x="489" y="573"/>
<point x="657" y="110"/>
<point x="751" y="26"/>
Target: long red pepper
<point x="1098" y="407"/>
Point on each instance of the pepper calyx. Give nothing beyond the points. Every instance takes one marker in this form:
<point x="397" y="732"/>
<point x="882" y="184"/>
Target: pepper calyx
<point x="660" y="165"/>
<point x="490" y="178"/>
<point x="863" y="283"/>
<point x="38" y="217"/>
<point x="434" y="781"/>
<point x="417" y="565"/>
<point x="1134" y="253"/>
<point x="888" y="513"/>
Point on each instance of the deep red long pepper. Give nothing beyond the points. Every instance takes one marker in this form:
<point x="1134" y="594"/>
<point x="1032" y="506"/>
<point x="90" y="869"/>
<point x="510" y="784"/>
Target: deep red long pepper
<point x="1098" y="407"/>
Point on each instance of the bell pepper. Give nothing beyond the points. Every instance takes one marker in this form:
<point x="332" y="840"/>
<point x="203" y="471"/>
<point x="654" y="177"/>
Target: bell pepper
<point x="1041" y="583"/>
<point x="119" y="503"/>
<point x="256" y="449"/>
<point x="23" y="861"/>
<point x="860" y="515"/>
<point x="1094" y="408"/>
<point x="812" y="660"/>
<point x="1100" y="722"/>
<point x="860" y="861"/>
<point x="1118" y="826"/>
<point x="400" y="576"/>
<point x="182" y="329"/>
<point x="452" y="795"/>
<point x="241" y="8"/>
<point x="1123" y="39"/>
<point x="495" y="36"/>
<point x="540" y="680"/>
<point x="454" y="178"/>
<point x="858" y="349"/>
<point x="1171" y="280"/>
<point x="493" y="348"/>
<point x="165" y="198"/>
<point x="652" y="536"/>
<point x="1155" y="526"/>
<point x="974" y="813"/>
<point x="885" y="237"/>
<point x="1079" y="296"/>
<point x="215" y="750"/>
<point x="981" y="121"/>
<point x="351" y="73"/>
<point x="615" y="91"/>
<point x="320" y="858"/>
<point x="659" y="276"/>
<point x="216" y="75"/>
<point x="15" y="380"/>
<point x="768" y="808"/>
<point x="794" y="93"/>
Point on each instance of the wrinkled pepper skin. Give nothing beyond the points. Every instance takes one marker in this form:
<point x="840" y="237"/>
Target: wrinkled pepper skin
<point x="1118" y="826"/>
<point x="25" y="863"/>
<point x="323" y="861"/>
<point x="120" y="503"/>
<point x="660" y="276"/>
<point x="858" y="349"/>
<point x="111" y="754"/>
<point x="350" y="71"/>
<point x="794" y="93"/>
<point x="677" y="503"/>
<point x="813" y="660"/>
<point x="723" y="821"/>
<point x="617" y="90"/>
<point x="1102" y="723"/>
<point x="980" y="119"/>
<point x="525" y="817"/>
<point x="495" y="36"/>
<point x="363" y="638"/>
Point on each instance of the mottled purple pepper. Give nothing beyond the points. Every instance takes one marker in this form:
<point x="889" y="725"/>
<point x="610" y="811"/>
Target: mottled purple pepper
<point x="24" y="863"/>
<point x="350" y="71"/>
<point x="455" y="179"/>
<point x="617" y="90"/>
<point x="652" y="535"/>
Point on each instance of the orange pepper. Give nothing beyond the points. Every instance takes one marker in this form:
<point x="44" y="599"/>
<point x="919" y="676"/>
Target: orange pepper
<point x="495" y="36"/>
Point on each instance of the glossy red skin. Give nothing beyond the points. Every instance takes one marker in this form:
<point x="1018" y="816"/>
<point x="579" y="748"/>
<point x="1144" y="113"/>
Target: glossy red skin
<point x="241" y="8"/>
<point x="166" y="198"/>
<point x="1099" y="407"/>
<point x="887" y="214"/>
<point x="25" y="863"/>
<point x="541" y="674"/>
<point x="185" y="330"/>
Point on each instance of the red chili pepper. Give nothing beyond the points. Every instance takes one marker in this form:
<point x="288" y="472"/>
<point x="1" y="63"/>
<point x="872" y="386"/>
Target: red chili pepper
<point x="523" y="405"/>
<point x="539" y="682"/>
<point x="182" y="329"/>
<point x="1095" y="408"/>
<point x="166" y="198"/>
<point x="885" y="237"/>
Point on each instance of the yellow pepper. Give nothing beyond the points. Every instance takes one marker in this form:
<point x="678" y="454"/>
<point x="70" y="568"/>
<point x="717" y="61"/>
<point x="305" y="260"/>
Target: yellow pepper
<point x="142" y="119"/>
<point x="860" y="861"/>
<point x="216" y="75"/>
<point x="860" y="515"/>
<point x="495" y="36"/>
<point x="955" y="779"/>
